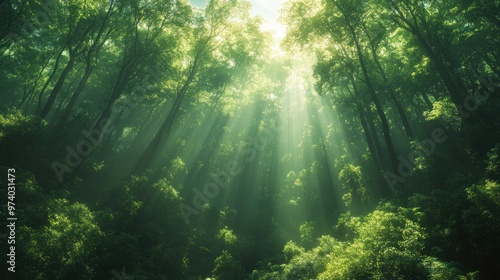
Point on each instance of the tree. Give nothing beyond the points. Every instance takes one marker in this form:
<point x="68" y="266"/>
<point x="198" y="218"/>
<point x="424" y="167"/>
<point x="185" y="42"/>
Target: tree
<point x="207" y="48"/>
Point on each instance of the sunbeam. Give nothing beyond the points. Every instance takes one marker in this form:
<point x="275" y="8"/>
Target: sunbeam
<point x="250" y="139"/>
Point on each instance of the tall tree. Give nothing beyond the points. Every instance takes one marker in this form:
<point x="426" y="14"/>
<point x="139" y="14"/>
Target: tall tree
<point x="424" y="20"/>
<point x="213" y="39"/>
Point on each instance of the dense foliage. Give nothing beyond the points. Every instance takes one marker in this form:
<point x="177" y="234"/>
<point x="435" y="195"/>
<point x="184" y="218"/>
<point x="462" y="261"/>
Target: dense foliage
<point x="158" y="140"/>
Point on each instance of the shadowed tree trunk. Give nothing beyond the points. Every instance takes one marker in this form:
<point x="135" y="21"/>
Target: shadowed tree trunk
<point x="372" y="92"/>
<point x="399" y="107"/>
<point x="74" y="52"/>
<point x="451" y="79"/>
<point x="165" y="129"/>
<point x="44" y="88"/>
<point x="94" y="49"/>
<point x="57" y="88"/>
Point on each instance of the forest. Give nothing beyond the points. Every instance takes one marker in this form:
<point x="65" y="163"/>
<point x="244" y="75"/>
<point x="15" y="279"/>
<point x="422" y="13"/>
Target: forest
<point x="158" y="139"/>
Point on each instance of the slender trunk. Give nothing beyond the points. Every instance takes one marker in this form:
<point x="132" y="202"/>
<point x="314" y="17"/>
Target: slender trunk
<point x="455" y="87"/>
<point x="345" y="128"/>
<point x="63" y="99"/>
<point x="166" y="128"/>
<point x="162" y="133"/>
<point x="110" y="142"/>
<point x="494" y="67"/>
<point x="29" y="94"/>
<point x="44" y="88"/>
<point x="373" y="129"/>
<point x="73" y="53"/>
<point x="373" y="95"/>
<point x="57" y="88"/>
<point x="140" y="132"/>
<point x="402" y="115"/>
<point x="78" y="91"/>
<point x="126" y="71"/>
<point x="425" y="97"/>
<point x="139" y="137"/>
<point x="328" y="206"/>
<point x="385" y="130"/>
<point x="399" y="107"/>
<point x="26" y="93"/>
<point x="368" y="134"/>
<point x="94" y="49"/>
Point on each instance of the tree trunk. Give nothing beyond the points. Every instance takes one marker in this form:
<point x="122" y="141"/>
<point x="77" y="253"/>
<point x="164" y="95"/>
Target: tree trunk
<point x="57" y="88"/>
<point x="126" y="71"/>
<point x="373" y="95"/>
<point x="454" y="85"/>
<point x="164" y="131"/>
<point x="29" y="94"/>
<point x="425" y="97"/>
<point x="399" y="107"/>
<point x="44" y="88"/>
<point x="78" y="91"/>
<point x="370" y="139"/>
<point x="494" y="67"/>
<point x="94" y="49"/>
<point x="140" y="132"/>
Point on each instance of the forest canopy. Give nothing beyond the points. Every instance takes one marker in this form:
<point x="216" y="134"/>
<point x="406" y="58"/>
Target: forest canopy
<point x="174" y="139"/>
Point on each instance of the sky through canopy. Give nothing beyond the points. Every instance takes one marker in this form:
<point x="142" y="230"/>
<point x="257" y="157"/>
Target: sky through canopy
<point x="268" y="10"/>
